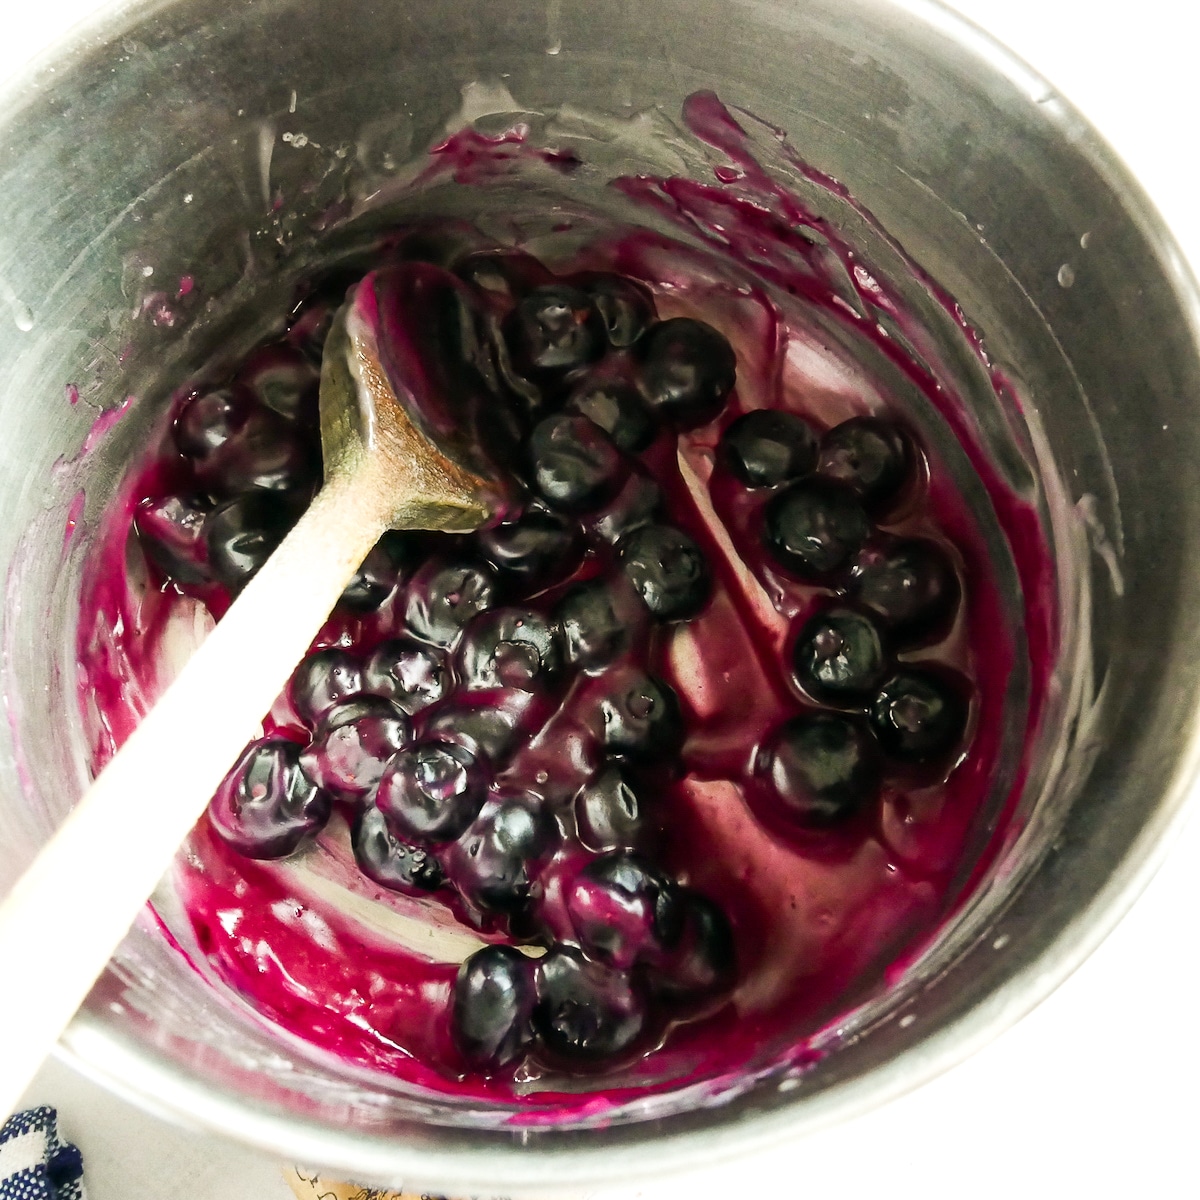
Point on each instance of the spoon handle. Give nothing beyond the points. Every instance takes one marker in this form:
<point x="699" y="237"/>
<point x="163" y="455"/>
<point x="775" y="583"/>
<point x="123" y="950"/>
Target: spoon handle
<point x="69" y="911"/>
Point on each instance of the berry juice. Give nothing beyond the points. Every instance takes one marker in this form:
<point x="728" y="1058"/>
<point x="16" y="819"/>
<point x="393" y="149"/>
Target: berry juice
<point x="660" y="772"/>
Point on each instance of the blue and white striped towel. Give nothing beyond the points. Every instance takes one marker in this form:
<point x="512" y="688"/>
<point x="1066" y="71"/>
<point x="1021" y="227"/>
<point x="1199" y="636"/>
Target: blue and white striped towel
<point x="34" y="1164"/>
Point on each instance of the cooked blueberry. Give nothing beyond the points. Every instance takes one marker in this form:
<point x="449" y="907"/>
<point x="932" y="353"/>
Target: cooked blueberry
<point x="556" y="328"/>
<point x="281" y="378"/>
<point x="171" y="531"/>
<point x="444" y="596"/>
<point x="839" y="656"/>
<point x="638" y="503"/>
<point x="509" y="648"/>
<point x="497" y="861"/>
<point x="323" y="680"/>
<point x="353" y="745"/>
<point x="267" y="452"/>
<point x="207" y="421"/>
<point x="642" y="719"/>
<point x="408" y="673"/>
<point x="686" y="370"/>
<point x="574" y="465"/>
<point x="822" y="768"/>
<point x="599" y="622"/>
<point x="767" y="447"/>
<point x="609" y="813"/>
<point x="869" y="456"/>
<point x="506" y="273"/>
<point x="493" y="1003"/>
<point x="489" y="722"/>
<point x="623" y="911"/>
<point x="918" y="716"/>
<point x="703" y="960"/>
<point x="242" y="534"/>
<point x="625" y="306"/>
<point x="911" y="586"/>
<point x="813" y="529"/>
<point x="536" y="550"/>
<point x="380" y="571"/>
<point x="668" y="571"/>
<point x="266" y="806"/>
<point x="586" y="1011"/>
<point x="432" y="791"/>
<point x="617" y="408"/>
<point x="388" y="861"/>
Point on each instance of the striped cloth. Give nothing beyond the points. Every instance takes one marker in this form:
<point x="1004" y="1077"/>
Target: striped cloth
<point x="34" y="1164"/>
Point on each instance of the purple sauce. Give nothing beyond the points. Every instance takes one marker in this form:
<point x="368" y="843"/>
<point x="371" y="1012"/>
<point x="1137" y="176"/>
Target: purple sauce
<point x="818" y="916"/>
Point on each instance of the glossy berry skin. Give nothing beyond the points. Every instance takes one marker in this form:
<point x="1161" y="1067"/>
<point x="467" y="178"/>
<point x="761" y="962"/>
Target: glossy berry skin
<point x="280" y="378"/>
<point x="497" y="861"/>
<point x="536" y="550"/>
<point x="839" y="656"/>
<point x="917" y="716"/>
<point x="266" y="806"/>
<point x="268" y="453"/>
<point x="380" y="571"/>
<point x="352" y="747"/>
<point x="432" y="791"/>
<point x="814" y="529"/>
<point x="390" y="862"/>
<point x="703" y="961"/>
<point x="494" y="996"/>
<point x="243" y="533"/>
<point x="586" y="1011"/>
<point x="208" y="420"/>
<point x="573" y="463"/>
<point x="641" y="719"/>
<point x="444" y="596"/>
<point x="409" y="673"/>
<point x="171" y="531"/>
<point x="507" y="274"/>
<point x="626" y="308"/>
<point x="821" y="769"/>
<point x="509" y="648"/>
<point x="609" y="813"/>
<point x="638" y="503"/>
<point x="910" y="586"/>
<point x="555" y="328"/>
<point x="322" y="681"/>
<point x="870" y="457"/>
<point x="617" y="408"/>
<point x="489" y="722"/>
<point x="623" y="910"/>
<point x="686" y="370"/>
<point x="767" y="447"/>
<point x="599" y="623"/>
<point x="667" y="570"/>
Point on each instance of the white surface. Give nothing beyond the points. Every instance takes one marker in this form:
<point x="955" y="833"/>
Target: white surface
<point x="1095" y="1093"/>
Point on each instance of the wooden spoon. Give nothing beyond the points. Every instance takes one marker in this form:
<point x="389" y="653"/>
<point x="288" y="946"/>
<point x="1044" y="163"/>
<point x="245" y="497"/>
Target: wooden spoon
<point x="68" y="913"/>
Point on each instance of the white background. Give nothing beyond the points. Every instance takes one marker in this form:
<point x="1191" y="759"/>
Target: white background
<point x="1092" y="1095"/>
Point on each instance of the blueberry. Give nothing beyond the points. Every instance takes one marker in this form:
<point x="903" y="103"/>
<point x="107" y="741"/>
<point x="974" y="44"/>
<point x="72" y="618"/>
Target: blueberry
<point x="686" y="370"/>
<point x="536" y="550"/>
<point x="623" y="911"/>
<point x="494" y="997"/>
<point x="574" y="465"/>
<point x="432" y="791"/>
<point x="171" y="531"/>
<point x="388" y="861"/>
<point x="868" y="456"/>
<point x="910" y="586"/>
<point x="767" y="447"/>
<point x="497" y="861"/>
<point x="444" y="596"/>
<point x="555" y="328"/>
<point x="281" y="378"/>
<point x="380" y="571"/>
<point x="668" y="571"/>
<point x="243" y="533"/>
<point x="322" y="681"/>
<point x="585" y="1011"/>
<point x="626" y="307"/>
<point x="918" y="716"/>
<point x="638" y="503"/>
<point x="839" y="657"/>
<point x="617" y="408"/>
<point x="488" y="722"/>
<point x="609" y="814"/>
<point x="822" y="768"/>
<point x="266" y="806"/>
<point x="599" y="623"/>
<point x="814" y="529"/>
<point x="268" y="452"/>
<point x="207" y="421"/>
<point x="352" y="747"/>
<point x="641" y="719"/>
<point x="703" y="961"/>
<point x="509" y="648"/>
<point x="408" y="673"/>
<point x="505" y="273"/>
